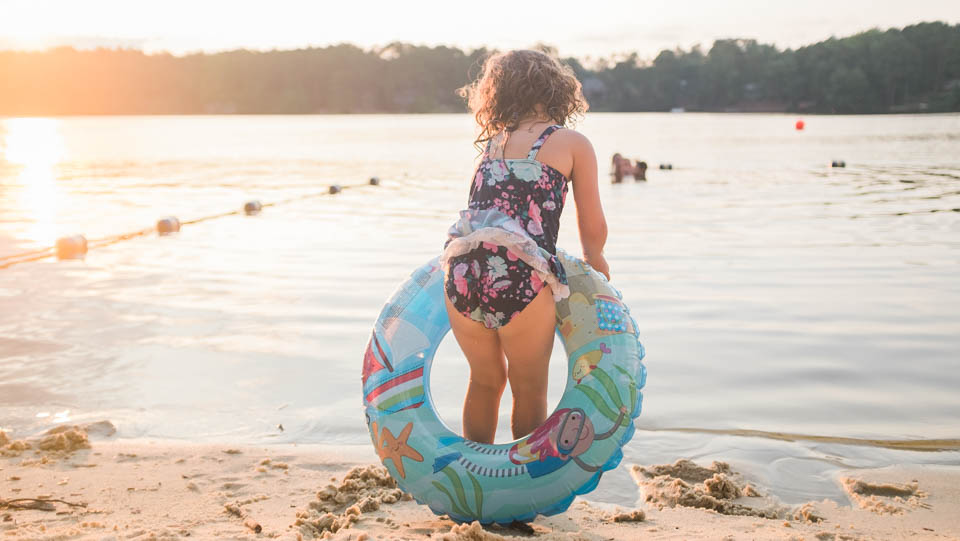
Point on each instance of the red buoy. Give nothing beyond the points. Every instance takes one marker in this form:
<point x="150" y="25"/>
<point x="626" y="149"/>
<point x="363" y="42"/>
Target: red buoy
<point x="799" y="125"/>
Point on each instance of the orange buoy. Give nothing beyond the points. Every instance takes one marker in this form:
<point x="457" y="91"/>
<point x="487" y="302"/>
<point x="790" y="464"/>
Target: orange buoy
<point x="73" y="247"/>
<point x="252" y="207"/>
<point x="168" y="225"/>
<point x="799" y="125"/>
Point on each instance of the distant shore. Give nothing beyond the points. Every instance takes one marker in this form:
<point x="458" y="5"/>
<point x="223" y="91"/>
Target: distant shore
<point x="898" y="70"/>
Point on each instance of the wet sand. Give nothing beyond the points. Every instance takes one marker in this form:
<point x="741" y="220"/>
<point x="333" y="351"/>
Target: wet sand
<point x="82" y="483"/>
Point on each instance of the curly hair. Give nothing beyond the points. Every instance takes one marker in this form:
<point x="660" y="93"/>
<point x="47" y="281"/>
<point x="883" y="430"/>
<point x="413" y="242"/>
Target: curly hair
<point x="512" y="84"/>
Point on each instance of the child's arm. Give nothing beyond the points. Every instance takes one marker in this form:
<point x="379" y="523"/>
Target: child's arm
<point x="586" y="193"/>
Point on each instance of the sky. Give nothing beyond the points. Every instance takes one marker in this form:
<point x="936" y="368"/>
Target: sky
<point x="596" y="29"/>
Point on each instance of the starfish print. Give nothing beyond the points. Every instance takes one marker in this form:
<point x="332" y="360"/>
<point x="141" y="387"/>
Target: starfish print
<point x="396" y="448"/>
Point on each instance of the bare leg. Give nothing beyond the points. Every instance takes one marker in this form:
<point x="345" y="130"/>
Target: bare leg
<point x="528" y="341"/>
<point x="488" y="375"/>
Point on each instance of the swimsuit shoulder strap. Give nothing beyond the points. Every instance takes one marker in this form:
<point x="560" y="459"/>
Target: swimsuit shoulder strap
<point x="495" y="140"/>
<point x="540" y="140"/>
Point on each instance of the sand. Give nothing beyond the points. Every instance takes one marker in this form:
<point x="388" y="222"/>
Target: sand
<point x="78" y="482"/>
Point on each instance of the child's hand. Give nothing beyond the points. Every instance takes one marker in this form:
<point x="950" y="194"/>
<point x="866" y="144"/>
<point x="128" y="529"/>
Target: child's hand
<point x="599" y="263"/>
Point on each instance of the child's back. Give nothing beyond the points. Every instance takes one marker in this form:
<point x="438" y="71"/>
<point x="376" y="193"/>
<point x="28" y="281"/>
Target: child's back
<point x="502" y="273"/>
<point x="492" y="285"/>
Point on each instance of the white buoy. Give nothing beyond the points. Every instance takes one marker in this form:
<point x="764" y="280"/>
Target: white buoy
<point x="167" y="225"/>
<point x="374" y="181"/>
<point x="335" y="188"/>
<point x="72" y="247"/>
<point x="252" y="207"/>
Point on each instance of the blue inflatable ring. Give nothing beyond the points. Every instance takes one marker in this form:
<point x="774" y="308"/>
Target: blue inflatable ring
<point x="539" y="474"/>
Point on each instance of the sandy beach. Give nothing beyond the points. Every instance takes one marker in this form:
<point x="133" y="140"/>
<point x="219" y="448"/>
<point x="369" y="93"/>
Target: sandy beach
<point x="80" y="482"/>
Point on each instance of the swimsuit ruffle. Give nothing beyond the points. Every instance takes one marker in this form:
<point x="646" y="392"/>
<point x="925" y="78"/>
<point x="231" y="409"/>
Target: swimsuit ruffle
<point x="493" y="226"/>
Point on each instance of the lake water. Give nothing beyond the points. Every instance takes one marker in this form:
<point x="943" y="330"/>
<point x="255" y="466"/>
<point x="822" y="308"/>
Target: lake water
<point x="773" y="292"/>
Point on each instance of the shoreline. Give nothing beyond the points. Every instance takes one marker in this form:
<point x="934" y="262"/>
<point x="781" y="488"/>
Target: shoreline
<point x="913" y="444"/>
<point x="168" y="489"/>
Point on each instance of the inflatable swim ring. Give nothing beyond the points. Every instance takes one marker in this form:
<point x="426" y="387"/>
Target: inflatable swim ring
<point x="538" y="474"/>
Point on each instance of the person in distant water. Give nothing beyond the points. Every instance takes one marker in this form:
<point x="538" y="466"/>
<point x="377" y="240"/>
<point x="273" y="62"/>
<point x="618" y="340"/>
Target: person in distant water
<point x="621" y="168"/>
<point x="501" y="272"/>
<point x="640" y="172"/>
<point x="616" y="168"/>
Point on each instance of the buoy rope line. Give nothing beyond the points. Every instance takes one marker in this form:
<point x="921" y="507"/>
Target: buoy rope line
<point x="51" y="251"/>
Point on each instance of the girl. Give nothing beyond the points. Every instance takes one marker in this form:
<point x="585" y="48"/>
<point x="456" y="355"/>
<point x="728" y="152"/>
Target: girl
<point x="501" y="270"/>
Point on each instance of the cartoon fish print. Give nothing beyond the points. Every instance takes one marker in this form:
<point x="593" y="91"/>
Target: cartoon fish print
<point x="587" y="362"/>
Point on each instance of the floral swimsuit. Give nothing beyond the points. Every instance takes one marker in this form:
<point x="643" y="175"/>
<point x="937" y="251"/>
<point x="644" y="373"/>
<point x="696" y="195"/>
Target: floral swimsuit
<point x="502" y="251"/>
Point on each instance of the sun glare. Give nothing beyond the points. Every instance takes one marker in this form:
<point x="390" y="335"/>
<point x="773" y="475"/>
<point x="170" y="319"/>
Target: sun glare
<point x="35" y="144"/>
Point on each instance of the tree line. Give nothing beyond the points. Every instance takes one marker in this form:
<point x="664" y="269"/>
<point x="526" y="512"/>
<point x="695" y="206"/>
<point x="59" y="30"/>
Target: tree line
<point x="913" y="69"/>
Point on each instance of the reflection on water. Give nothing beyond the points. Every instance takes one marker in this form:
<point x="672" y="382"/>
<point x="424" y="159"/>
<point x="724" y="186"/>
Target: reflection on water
<point x="36" y="146"/>
<point x="765" y="308"/>
<point x="903" y="190"/>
